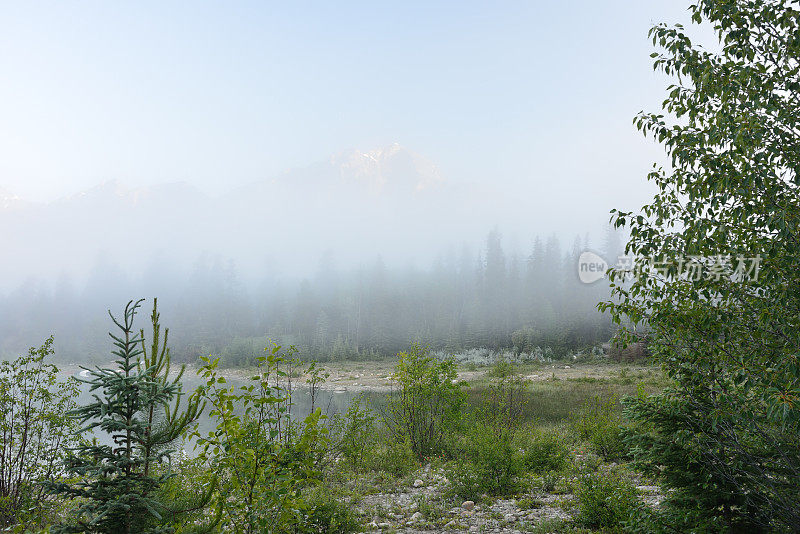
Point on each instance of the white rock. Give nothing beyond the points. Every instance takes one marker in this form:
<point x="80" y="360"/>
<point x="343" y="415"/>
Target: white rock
<point x="468" y="505"/>
<point x="416" y="517"/>
<point x="418" y="483"/>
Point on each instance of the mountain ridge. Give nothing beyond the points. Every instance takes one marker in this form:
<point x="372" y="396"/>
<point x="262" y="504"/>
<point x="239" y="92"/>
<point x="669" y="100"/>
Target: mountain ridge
<point x="378" y="170"/>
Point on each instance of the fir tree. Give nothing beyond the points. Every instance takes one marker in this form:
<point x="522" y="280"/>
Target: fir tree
<point x="117" y="485"/>
<point x="165" y="427"/>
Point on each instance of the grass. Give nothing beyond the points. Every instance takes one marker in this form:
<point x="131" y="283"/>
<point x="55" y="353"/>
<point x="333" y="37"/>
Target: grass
<point x="555" y="401"/>
<point x="554" y="450"/>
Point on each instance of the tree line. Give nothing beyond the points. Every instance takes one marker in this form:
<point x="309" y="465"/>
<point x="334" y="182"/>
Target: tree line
<point x="491" y="298"/>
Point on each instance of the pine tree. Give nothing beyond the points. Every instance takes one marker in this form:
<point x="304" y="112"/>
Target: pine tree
<point x="117" y="489"/>
<point x="166" y="426"/>
<point x="163" y="429"/>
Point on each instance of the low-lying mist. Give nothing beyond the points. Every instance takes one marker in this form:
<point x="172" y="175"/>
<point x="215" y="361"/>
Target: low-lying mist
<point x="352" y="257"/>
<point x="490" y="297"/>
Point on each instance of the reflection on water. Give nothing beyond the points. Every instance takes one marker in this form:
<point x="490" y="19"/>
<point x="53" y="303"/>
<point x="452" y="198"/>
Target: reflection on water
<point x="329" y="401"/>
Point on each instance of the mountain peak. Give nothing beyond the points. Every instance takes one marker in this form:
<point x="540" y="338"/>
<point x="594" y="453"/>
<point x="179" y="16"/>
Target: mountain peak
<point x="388" y="167"/>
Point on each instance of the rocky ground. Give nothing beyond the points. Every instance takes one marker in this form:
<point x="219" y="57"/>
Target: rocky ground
<point x="423" y="506"/>
<point x="376" y="375"/>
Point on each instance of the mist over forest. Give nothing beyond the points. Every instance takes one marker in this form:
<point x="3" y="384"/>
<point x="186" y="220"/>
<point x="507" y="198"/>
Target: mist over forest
<point x="349" y="258"/>
<point x="306" y="268"/>
<point x="488" y="296"/>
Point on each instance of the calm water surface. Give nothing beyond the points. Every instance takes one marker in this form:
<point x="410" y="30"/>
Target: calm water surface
<point x="329" y="400"/>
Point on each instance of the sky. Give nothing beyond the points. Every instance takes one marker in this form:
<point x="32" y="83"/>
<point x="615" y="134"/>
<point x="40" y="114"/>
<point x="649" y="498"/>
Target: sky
<point x="533" y="96"/>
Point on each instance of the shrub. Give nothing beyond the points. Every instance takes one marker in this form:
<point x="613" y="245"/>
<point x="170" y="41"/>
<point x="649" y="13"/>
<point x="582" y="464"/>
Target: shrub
<point x="529" y="503"/>
<point x="322" y="514"/>
<point x="545" y="451"/>
<point x="605" y="499"/>
<point x="502" y="403"/>
<point x="547" y="483"/>
<point x="396" y="458"/>
<point x="427" y="405"/>
<point x="633" y="352"/>
<point x="36" y="432"/>
<point x="263" y="457"/>
<point x="502" y="368"/>
<point x="670" y="519"/>
<point x="486" y="464"/>
<point x="355" y="432"/>
<point x="685" y="446"/>
<point x="430" y="509"/>
<point x="600" y="423"/>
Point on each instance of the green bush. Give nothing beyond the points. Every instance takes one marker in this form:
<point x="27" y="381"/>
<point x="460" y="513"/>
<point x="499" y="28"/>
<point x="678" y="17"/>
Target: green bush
<point x="323" y="515"/>
<point x="723" y="438"/>
<point x="609" y="442"/>
<point x="501" y="368"/>
<point x="263" y="457"/>
<point x="395" y="458"/>
<point x="487" y="463"/>
<point x="605" y="499"/>
<point x="427" y="405"/>
<point x="672" y="516"/>
<point x="685" y="446"/>
<point x="547" y="483"/>
<point x="502" y="402"/>
<point x="545" y="451"/>
<point x="529" y="503"/>
<point x="355" y="433"/>
<point x="600" y="423"/>
<point x="36" y="431"/>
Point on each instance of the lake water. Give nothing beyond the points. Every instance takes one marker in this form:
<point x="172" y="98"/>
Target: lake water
<point x="330" y="401"/>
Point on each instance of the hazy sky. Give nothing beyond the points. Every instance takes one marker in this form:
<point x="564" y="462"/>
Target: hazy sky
<point x="536" y="95"/>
